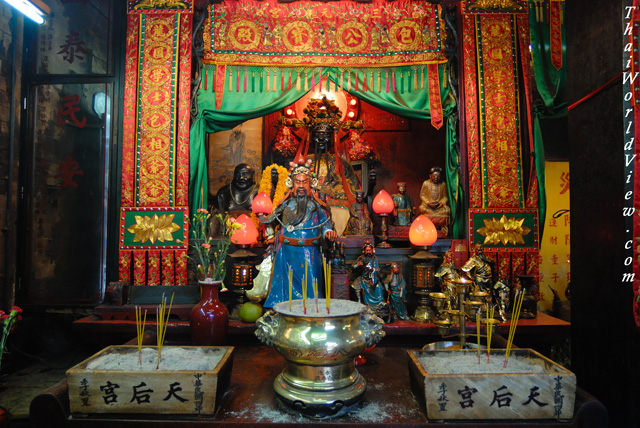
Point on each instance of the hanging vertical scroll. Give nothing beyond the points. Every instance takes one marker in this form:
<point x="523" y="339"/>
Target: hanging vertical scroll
<point x="155" y="162"/>
<point x="499" y="112"/>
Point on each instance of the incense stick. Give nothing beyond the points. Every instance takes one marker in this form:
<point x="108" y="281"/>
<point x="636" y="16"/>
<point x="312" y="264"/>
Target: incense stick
<point x="315" y="291"/>
<point x="304" y="286"/>
<point x="329" y="290"/>
<point x="514" y="323"/>
<point x="140" y="330"/>
<point x="161" y="324"/>
<point x="489" y="332"/>
<point x="478" y="333"/>
<point x="290" y="287"/>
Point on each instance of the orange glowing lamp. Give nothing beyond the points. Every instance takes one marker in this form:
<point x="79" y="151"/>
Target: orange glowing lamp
<point x="422" y="232"/>
<point x="246" y="235"/>
<point x="262" y="204"/>
<point x="382" y="203"/>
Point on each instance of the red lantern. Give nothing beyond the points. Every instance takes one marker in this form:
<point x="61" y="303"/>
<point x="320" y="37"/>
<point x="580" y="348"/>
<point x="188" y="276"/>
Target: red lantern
<point x="248" y="234"/>
<point x="382" y="203"/>
<point x="262" y="204"/>
<point x="422" y="232"/>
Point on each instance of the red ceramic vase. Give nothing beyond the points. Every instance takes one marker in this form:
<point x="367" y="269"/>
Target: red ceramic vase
<point x="209" y="317"/>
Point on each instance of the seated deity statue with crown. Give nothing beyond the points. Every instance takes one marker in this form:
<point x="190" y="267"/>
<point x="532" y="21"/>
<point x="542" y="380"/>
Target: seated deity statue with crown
<point x="337" y="180"/>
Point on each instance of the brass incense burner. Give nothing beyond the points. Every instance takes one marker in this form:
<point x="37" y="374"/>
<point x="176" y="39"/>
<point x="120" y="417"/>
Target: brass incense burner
<point x="320" y="379"/>
<point x="471" y="302"/>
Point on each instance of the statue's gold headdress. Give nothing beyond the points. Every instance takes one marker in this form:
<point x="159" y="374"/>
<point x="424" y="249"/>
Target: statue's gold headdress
<point x="301" y="167"/>
<point x="322" y="115"/>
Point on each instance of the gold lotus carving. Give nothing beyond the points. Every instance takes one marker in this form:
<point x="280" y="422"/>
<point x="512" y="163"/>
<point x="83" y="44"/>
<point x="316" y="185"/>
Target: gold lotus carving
<point x="504" y="231"/>
<point x="502" y="5"/>
<point x="153" y="228"/>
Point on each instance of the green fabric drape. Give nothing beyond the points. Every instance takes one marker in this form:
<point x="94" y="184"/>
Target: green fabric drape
<point x="550" y="84"/>
<point x="236" y="107"/>
<point x="239" y="106"/>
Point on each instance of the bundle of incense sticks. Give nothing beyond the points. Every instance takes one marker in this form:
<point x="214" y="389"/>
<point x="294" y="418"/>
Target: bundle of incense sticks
<point x="290" y="287"/>
<point x="161" y="324"/>
<point x="478" y="333"/>
<point x="489" y="331"/>
<point x="140" y="322"/>
<point x="327" y="283"/>
<point x="514" y="323"/>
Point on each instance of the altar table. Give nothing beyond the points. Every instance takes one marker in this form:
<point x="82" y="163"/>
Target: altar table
<point x="388" y="402"/>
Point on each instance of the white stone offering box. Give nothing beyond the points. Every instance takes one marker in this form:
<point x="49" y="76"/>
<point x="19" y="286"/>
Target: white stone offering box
<point x="188" y="380"/>
<point x="453" y="385"/>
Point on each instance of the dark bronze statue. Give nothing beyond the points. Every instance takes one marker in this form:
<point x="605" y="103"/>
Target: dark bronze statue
<point x="238" y="195"/>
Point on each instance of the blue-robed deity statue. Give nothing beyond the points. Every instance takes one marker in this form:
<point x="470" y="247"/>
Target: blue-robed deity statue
<point x="367" y="282"/>
<point x="302" y="221"/>
<point x="397" y="288"/>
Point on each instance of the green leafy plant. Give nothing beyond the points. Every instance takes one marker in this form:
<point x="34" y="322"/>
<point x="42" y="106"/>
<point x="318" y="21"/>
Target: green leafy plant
<point x="210" y="255"/>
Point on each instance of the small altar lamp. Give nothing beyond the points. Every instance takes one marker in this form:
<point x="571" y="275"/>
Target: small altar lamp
<point x="383" y="206"/>
<point x="422" y="235"/>
<point x="242" y="268"/>
<point x="262" y="204"/>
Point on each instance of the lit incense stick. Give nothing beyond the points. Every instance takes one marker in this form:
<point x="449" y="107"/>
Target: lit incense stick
<point x="489" y="332"/>
<point x="315" y="291"/>
<point x="329" y="291"/>
<point x="304" y="286"/>
<point x="325" y="274"/>
<point x="478" y="333"/>
<point x="140" y="329"/>
<point x="515" y="315"/>
<point x="161" y="325"/>
<point x="290" y="287"/>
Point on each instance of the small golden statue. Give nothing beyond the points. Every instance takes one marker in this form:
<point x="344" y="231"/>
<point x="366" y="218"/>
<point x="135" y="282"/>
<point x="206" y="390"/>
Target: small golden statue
<point x="447" y="273"/>
<point x="435" y="201"/>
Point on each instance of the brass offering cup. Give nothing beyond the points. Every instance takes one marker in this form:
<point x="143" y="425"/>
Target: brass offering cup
<point x="443" y="327"/>
<point x="438" y="299"/>
<point x="462" y="285"/>
<point x="490" y="323"/>
<point x="320" y="380"/>
<point x="481" y="296"/>
<point x="453" y="313"/>
<point x="473" y="308"/>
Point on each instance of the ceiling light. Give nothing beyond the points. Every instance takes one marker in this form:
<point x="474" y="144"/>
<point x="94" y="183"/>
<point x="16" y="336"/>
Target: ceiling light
<point x="32" y="9"/>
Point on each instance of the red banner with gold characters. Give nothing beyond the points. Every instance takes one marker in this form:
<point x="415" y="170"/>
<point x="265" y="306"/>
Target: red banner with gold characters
<point x="352" y="34"/>
<point x="555" y="26"/>
<point x="155" y="160"/>
<point x="470" y="105"/>
<point x="499" y="111"/>
<point x="156" y="119"/>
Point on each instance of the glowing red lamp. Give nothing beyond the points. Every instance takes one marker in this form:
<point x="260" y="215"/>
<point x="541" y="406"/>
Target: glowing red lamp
<point x="382" y="203"/>
<point x="248" y="234"/>
<point x="422" y="232"/>
<point x="262" y="204"/>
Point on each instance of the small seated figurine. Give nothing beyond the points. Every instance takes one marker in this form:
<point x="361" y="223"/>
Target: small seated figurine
<point x="435" y="201"/>
<point x="359" y="219"/>
<point x="396" y="286"/>
<point x="238" y="195"/>
<point x="403" y="206"/>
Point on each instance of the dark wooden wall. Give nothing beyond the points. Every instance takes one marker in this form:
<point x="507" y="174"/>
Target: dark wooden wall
<point x="605" y="341"/>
